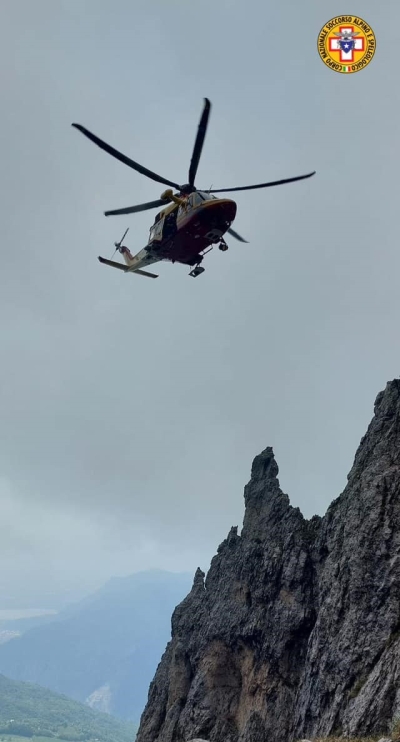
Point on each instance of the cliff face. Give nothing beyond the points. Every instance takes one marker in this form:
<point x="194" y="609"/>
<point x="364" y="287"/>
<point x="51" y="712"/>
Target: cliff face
<point x="295" y="631"/>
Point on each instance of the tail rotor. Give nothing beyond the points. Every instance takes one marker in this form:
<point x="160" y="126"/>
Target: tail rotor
<point x="117" y="245"/>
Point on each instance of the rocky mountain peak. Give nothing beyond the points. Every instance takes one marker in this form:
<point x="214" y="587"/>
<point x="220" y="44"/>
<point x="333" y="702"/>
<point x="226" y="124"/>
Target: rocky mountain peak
<point x="265" y="468"/>
<point x="266" y="506"/>
<point x="295" y="630"/>
<point x="381" y="442"/>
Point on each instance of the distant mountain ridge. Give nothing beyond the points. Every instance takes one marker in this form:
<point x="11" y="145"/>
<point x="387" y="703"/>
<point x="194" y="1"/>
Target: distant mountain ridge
<point x="21" y="625"/>
<point x="28" y="709"/>
<point x="113" y="638"/>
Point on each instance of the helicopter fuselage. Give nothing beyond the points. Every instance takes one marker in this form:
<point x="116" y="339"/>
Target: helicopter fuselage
<point x="194" y="221"/>
<point x="182" y="233"/>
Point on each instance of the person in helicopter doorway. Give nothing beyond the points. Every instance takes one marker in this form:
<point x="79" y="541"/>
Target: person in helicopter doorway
<point x="170" y="227"/>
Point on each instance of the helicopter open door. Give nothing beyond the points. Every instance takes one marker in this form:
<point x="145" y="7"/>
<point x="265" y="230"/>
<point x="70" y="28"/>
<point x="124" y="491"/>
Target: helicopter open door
<point x="156" y="231"/>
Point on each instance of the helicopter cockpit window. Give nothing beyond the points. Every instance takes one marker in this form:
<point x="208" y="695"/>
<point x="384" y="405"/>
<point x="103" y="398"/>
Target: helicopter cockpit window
<point x="205" y="196"/>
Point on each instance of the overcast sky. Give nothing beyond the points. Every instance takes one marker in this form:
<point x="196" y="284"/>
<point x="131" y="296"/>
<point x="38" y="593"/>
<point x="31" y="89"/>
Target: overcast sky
<point x="131" y="410"/>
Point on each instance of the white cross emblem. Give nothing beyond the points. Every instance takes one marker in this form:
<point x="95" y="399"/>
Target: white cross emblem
<point x="346" y="36"/>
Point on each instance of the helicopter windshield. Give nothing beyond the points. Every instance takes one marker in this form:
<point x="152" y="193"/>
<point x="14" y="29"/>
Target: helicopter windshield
<point x="193" y="200"/>
<point x="205" y="196"/>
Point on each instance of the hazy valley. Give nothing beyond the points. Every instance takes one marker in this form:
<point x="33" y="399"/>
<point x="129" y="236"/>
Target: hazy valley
<point x="103" y="650"/>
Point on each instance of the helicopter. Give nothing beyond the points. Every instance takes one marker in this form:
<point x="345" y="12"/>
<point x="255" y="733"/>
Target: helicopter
<point x="191" y="221"/>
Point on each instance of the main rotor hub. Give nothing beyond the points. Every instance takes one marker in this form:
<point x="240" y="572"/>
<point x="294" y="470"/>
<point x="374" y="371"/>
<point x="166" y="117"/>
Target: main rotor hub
<point x="187" y="189"/>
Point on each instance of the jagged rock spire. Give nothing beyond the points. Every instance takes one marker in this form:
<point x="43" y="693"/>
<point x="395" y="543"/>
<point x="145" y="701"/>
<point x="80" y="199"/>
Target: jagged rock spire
<point x="198" y="581"/>
<point x="264" y="466"/>
<point x="265" y="503"/>
<point x="296" y="633"/>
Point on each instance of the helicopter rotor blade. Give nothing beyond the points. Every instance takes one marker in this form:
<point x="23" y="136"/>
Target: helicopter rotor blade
<point x="122" y="158"/>
<point x="199" y="141"/>
<point x="123" y="237"/>
<point x="264" y="185"/>
<point x="237" y="236"/>
<point x="138" y="207"/>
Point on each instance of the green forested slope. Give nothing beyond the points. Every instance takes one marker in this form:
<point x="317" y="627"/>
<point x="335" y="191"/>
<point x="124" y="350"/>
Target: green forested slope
<point x="29" y="710"/>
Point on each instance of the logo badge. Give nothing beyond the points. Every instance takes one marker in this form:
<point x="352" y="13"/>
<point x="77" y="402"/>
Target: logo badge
<point x="346" y="44"/>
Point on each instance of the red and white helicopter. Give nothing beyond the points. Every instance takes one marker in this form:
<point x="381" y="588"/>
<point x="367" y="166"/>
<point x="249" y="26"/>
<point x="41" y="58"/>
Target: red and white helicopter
<point x="191" y="222"/>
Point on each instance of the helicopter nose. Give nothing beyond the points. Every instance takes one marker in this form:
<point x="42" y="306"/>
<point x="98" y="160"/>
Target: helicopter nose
<point x="226" y="207"/>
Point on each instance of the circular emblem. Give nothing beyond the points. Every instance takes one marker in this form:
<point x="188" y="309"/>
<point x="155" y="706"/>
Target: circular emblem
<point x="346" y="44"/>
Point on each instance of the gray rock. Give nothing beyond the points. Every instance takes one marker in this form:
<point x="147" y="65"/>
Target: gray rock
<point x="295" y="630"/>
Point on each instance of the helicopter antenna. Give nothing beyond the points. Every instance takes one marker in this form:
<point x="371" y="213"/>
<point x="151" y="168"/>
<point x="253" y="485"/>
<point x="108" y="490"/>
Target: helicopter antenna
<point x="117" y="245"/>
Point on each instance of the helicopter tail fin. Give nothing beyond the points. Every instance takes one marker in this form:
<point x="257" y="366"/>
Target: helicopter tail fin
<point x="125" y="268"/>
<point x="145" y="273"/>
<point x="113" y="264"/>
<point x="126" y="254"/>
